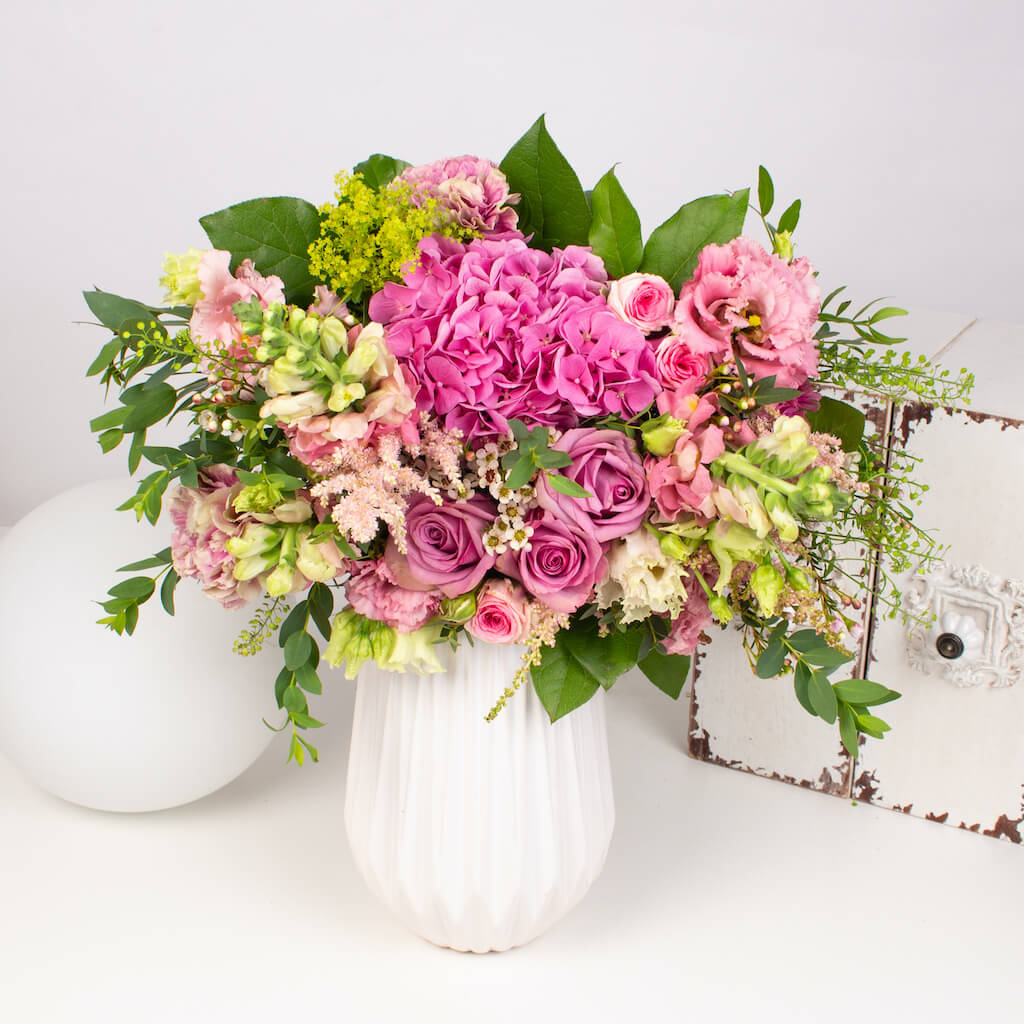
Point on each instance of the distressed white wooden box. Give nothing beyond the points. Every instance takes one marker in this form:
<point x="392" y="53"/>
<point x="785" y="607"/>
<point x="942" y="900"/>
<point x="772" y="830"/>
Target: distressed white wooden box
<point x="956" y="750"/>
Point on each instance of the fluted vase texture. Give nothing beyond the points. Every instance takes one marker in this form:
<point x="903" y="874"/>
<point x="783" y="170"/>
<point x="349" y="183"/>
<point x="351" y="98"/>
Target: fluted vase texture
<point x="478" y="835"/>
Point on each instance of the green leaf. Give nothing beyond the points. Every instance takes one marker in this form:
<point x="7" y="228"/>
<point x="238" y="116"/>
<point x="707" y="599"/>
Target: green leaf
<point x="551" y="458"/>
<point x="112" y="310"/>
<point x="306" y="722"/>
<point x="863" y="691"/>
<point x="321" y="603"/>
<point x="380" y="170"/>
<point x="153" y="562"/>
<point x="872" y="726"/>
<point x="135" y="452"/>
<point x="788" y="221"/>
<point x="283" y="681"/>
<point x="131" y="618"/>
<point x="139" y="588"/>
<point x="615" y="233"/>
<point x="167" y="591"/>
<point x="105" y="357"/>
<point x="801" y="684"/>
<point x="839" y="419"/>
<point x="520" y="473"/>
<point x="771" y="660"/>
<point x="294" y="623"/>
<point x="827" y="658"/>
<point x="113" y="418"/>
<point x="885" y="313"/>
<point x="847" y="728"/>
<point x="295" y="700"/>
<point x="668" y="672"/>
<point x="306" y="677"/>
<point x="822" y="697"/>
<point x="110" y="439"/>
<point x="154" y="405"/>
<point x="561" y="683"/>
<point x="313" y="752"/>
<point x="563" y="485"/>
<point x="297" y="649"/>
<point x="552" y="205"/>
<point x="296" y="749"/>
<point x="673" y="248"/>
<point x="805" y="640"/>
<point x="765" y="191"/>
<point x="604" y="657"/>
<point x="275" y="234"/>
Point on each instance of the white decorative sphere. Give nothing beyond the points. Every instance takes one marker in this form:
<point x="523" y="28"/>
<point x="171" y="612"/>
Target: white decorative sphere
<point x="120" y="723"/>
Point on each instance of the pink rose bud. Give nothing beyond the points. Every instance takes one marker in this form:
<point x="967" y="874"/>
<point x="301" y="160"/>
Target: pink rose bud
<point x="643" y="300"/>
<point x="502" y="613"/>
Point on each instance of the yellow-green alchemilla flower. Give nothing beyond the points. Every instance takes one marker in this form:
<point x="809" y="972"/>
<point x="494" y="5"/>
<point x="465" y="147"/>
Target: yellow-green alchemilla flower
<point x="767" y="584"/>
<point x="181" y="278"/>
<point x="414" y="652"/>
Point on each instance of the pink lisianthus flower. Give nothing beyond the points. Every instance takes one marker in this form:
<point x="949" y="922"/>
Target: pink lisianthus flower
<point x="560" y="567"/>
<point x="680" y="482"/>
<point x="502" y="613"/>
<point x="739" y="292"/>
<point x="644" y="300"/>
<point x="204" y="520"/>
<point x="606" y="464"/>
<point x="373" y="591"/>
<point x="215" y="328"/>
<point x="473" y="191"/>
<point x="685" y="632"/>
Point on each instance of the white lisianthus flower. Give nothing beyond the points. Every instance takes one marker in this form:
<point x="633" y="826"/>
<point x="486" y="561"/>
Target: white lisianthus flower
<point x="642" y="578"/>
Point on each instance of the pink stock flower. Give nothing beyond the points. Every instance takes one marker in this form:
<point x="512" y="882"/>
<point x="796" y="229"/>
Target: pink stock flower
<point x="473" y="191"/>
<point x="771" y="305"/>
<point x="373" y="591"/>
<point x="215" y="328"/>
<point x="494" y="330"/>
<point x="643" y="300"/>
<point x="445" y="543"/>
<point x="561" y="565"/>
<point x="203" y="522"/>
<point x="606" y="464"/>
<point x="502" y="613"/>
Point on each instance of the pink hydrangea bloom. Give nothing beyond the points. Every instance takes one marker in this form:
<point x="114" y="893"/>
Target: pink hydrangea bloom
<point x="214" y="327"/>
<point x="474" y="191"/>
<point x="772" y="306"/>
<point x="203" y="522"/>
<point x="373" y="591"/>
<point x="494" y="330"/>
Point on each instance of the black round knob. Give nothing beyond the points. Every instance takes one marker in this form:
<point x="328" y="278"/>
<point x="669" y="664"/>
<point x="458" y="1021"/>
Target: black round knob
<point x="949" y="645"/>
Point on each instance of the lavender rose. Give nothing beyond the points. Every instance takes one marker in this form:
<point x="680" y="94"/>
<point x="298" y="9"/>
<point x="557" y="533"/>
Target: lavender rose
<point x="606" y="464"/>
<point x="561" y="566"/>
<point x="444" y="543"/>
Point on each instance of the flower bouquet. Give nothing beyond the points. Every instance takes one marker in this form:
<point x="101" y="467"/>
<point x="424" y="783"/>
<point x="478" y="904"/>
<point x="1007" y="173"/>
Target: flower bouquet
<point x="468" y="403"/>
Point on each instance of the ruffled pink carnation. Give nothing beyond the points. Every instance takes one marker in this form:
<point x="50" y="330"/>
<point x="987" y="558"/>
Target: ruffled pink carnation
<point x="373" y="591"/>
<point x="495" y="330"/>
<point x="770" y="307"/>
<point x="215" y="329"/>
<point x="687" y="627"/>
<point x="203" y="522"/>
<point x="474" y="191"/>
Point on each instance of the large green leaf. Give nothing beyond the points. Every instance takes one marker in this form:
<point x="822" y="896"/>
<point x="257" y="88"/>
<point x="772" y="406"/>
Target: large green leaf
<point x="615" y="233"/>
<point x="112" y="310"/>
<point x="580" y="663"/>
<point x="673" y="248"/>
<point x="840" y="420"/>
<point x="668" y="672"/>
<point x="553" y="206"/>
<point x="380" y="170"/>
<point x="275" y="234"/>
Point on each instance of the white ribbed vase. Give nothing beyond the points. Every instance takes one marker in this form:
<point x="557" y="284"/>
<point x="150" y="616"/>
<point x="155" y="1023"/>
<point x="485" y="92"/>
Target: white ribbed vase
<point x="478" y="835"/>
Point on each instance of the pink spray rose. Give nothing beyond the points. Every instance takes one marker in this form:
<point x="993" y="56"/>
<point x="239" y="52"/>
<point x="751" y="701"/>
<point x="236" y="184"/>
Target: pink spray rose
<point x="373" y="591"/>
<point x="771" y="305"/>
<point x="561" y="566"/>
<point x="502" y="613"/>
<point x="203" y="522"/>
<point x="681" y="370"/>
<point x="605" y="463"/>
<point x="445" y="545"/>
<point x="643" y="300"/>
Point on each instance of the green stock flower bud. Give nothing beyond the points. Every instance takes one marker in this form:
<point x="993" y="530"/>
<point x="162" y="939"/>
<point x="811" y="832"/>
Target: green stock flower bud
<point x="796" y="579"/>
<point x="660" y="435"/>
<point x="345" y="624"/>
<point x="730" y="543"/>
<point x="261" y="497"/>
<point x="280" y="581"/>
<point x="748" y="499"/>
<point x="284" y="378"/>
<point x="413" y="652"/>
<point x="767" y="584"/>
<point x="311" y="561"/>
<point x="786" y="451"/>
<point x="720" y="609"/>
<point x="459" y="609"/>
<point x="363" y="356"/>
<point x="783" y="245"/>
<point x="253" y="541"/>
<point x="783" y="520"/>
<point x="251" y="566"/>
<point x="343" y="395"/>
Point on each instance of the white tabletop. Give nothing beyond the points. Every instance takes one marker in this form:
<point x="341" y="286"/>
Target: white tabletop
<point x="725" y="897"/>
